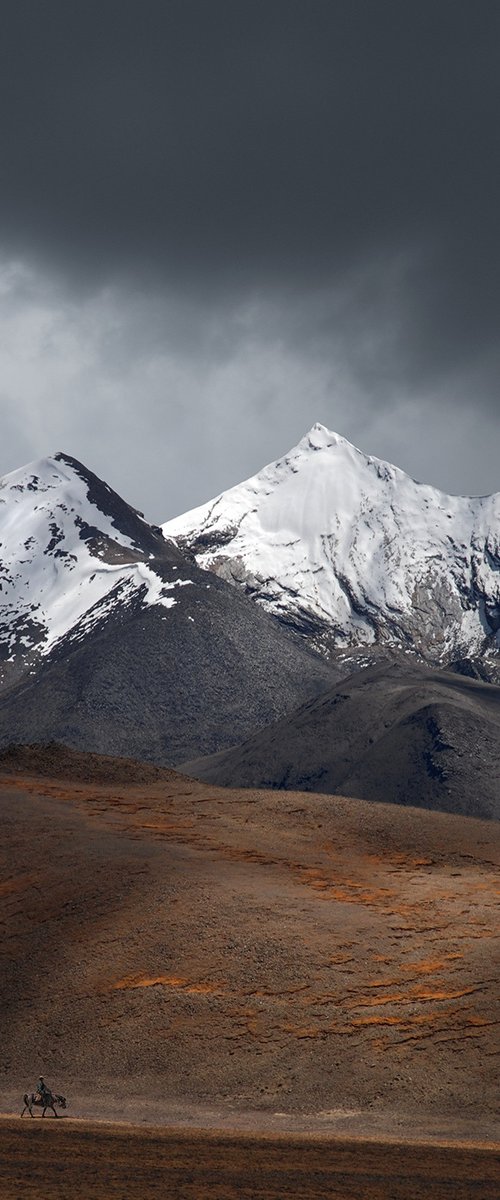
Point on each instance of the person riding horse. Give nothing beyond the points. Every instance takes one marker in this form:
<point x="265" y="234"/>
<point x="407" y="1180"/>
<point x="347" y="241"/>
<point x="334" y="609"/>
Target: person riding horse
<point x="43" y="1097"/>
<point x="42" y="1090"/>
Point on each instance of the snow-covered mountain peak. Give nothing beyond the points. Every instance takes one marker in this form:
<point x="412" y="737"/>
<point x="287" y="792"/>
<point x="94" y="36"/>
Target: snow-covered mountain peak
<point x="64" y="484"/>
<point x="342" y="456"/>
<point x="320" y="437"/>
<point x="348" y="548"/>
<point x="69" y="546"/>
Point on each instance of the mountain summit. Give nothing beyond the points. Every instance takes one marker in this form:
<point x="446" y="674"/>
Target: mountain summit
<point x="69" y="548"/>
<point x="348" y="550"/>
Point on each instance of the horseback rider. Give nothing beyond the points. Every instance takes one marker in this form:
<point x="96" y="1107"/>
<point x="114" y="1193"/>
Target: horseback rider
<point x="42" y="1090"/>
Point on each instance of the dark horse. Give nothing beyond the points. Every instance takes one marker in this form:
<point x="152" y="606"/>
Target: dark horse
<point x="48" y="1101"/>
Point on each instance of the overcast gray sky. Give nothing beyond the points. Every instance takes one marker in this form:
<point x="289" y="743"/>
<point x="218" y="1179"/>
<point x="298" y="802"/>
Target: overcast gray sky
<point x="223" y="220"/>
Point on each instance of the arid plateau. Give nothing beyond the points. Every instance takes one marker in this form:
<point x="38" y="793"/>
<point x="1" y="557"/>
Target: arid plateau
<point x="186" y="956"/>
<point x="166" y="942"/>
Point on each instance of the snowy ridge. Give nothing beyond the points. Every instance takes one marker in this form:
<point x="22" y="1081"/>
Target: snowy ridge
<point x="69" y="549"/>
<point x="349" y="549"/>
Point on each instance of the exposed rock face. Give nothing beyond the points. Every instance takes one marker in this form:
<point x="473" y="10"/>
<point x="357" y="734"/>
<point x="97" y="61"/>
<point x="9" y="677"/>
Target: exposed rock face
<point x="348" y="550"/>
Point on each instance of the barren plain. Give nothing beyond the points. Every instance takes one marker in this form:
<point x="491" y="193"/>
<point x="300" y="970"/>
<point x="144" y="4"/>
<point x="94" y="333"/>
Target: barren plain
<point x="113" y="1162"/>
<point x="175" y="954"/>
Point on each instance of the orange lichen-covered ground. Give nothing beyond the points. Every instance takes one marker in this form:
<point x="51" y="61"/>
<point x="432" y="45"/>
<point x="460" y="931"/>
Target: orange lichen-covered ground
<point x="165" y="943"/>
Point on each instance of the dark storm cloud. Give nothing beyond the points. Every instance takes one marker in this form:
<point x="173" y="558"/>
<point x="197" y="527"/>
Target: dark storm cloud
<point x="247" y="207"/>
<point x="261" y="144"/>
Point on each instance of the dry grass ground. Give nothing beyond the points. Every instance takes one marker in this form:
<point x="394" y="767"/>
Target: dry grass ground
<point x="110" y="1163"/>
<point x="312" y="959"/>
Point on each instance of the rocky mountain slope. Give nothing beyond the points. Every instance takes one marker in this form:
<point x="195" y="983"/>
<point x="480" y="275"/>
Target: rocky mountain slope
<point x="114" y="641"/>
<point x="350" y="551"/>
<point x="399" y="734"/>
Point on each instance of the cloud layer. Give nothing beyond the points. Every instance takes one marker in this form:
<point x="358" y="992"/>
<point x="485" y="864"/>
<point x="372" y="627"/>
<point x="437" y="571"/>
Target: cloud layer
<point x="220" y="222"/>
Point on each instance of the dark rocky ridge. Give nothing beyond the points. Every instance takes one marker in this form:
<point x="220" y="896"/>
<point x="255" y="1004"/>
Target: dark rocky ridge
<point x="54" y="761"/>
<point x="399" y="734"/>
<point x="128" y="521"/>
<point x="165" y="684"/>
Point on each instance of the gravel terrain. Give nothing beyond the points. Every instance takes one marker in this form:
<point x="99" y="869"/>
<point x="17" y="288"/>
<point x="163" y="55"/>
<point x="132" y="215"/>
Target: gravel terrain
<point x="395" y="732"/>
<point x="103" y="1162"/>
